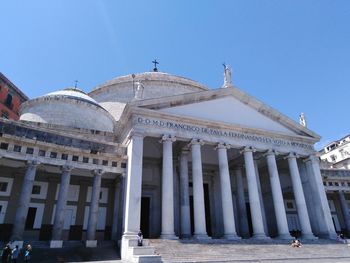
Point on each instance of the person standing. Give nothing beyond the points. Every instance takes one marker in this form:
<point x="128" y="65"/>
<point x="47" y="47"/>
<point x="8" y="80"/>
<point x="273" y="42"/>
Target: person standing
<point x="27" y="253"/>
<point x="6" y="253"/>
<point x="15" y="254"/>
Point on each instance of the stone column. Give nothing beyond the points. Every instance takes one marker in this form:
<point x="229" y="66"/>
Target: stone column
<point x="133" y="193"/>
<point x="185" y="196"/>
<point x="23" y="201"/>
<point x="277" y="196"/>
<point x="168" y="188"/>
<point x="262" y="205"/>
<point x="253" y="191"/>
<point x="299" y="198"/>
<point x="93" y="213"/>
<point x="116" y="208"/>
<point x="226" y="193"/>
<point x="345" y="211"/>
<point x="242" y="210"/>
<point x="324" y="214"/>
<point x="133" y="186"/>
<point x="200" y="231"/>
<point x="61" y="207"/>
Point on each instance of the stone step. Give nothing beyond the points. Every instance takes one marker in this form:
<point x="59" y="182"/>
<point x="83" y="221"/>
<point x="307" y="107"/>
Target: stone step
<point x="147" y="259"/>
<point x="136" y="251"/>
<point x="190" y="251"/>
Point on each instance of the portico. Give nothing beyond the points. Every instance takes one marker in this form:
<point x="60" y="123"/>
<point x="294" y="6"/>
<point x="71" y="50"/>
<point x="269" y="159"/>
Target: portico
<point x="222" y="156"/>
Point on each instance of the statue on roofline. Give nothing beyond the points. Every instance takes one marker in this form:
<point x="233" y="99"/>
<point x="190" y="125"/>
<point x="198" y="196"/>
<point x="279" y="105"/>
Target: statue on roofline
<point x="302" y="119"/>
<point x="227" y="75"/>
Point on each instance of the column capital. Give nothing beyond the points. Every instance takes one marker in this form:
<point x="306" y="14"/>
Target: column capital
<point x="168" y="138"/>
<point x="196" y="142"/>
<point x="312" y="157"/>
<point x="98" y="172"/>
<point x="136" y="134"/>
<point x="222" y="145"/>
<point x="248" y="149"/>
<point x="67" y="168"/>
<point x="271" y="152"/>
<point x="33" y="163"/>
<point x="292" y="155"/>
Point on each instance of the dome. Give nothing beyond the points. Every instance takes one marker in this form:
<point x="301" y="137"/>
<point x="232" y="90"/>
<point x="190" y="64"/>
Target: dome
<point x="69" y="107"/>
<point x="73" y="93"/>
<point x="116" y="93"/>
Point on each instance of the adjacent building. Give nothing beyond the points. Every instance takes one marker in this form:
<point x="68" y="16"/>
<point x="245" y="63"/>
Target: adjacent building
<point x="10" y="99"/>
<point x="337" y="153"/>
<point x="163" y="154"/>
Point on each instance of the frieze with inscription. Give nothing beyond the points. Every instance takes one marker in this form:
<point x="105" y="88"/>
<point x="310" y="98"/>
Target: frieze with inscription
<point x="218" y="132"/>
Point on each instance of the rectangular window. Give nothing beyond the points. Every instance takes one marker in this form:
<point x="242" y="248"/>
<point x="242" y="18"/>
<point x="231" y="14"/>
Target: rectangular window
<point x="5" y="114"/>
<point x="114" y="164"/>
<point x="53" y="155"/>
<point x="4" y="146"/>
<point x="85" y="159"/>
<point x="8" y="101"/>
<point x="95" y="161"/>
<point x="75" y="158"/>
<point x="41" y="153"/>
<point x="64" y="156"/>
<point x="105" y="162"/>
<point x="3" y="186"/>
<point x="333" y="158"/>
<point x="17" y="148"/>
<point x="36" y="189"/>
<point x="123" y="165"/>
<point x="29" y="150"/>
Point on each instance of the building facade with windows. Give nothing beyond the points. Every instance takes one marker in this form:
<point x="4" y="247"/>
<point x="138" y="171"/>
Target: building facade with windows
<point x="11" y="98"/>
<point x="337" y="154"/>
<point x="163" y="154"/>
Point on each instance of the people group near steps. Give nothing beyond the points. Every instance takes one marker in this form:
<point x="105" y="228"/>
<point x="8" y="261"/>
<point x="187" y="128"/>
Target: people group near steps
<point x="12" y="255"/>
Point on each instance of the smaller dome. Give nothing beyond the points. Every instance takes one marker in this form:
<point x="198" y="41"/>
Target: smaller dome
<point x="69" y="107"/>
<point x="74" y="93"/>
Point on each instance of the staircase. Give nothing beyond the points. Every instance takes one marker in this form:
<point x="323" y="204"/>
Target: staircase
<point x="140" y="254"/>
<point x="214" y="251"/>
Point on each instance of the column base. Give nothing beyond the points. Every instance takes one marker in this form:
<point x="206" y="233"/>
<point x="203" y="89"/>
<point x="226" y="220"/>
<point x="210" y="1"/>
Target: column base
<point x="308" y="236"/>
<point x="201" y="237"/>
<point x="91" y="243"/>
<point x="168" y="236"/>
<point x="56" y="243"/>
<point x="260" y="236"/>
<point x="285" y="237"/>
<point x="186" y="236"/>
<point x="232" y="237"/>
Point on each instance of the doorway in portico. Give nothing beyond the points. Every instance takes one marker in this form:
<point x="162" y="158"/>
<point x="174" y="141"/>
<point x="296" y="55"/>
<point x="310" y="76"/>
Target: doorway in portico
<point x="145" y="215"/>
<point x="30" y="218"/>
<point x="206" y="207"/>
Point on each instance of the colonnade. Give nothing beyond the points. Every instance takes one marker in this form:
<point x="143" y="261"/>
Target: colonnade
<point x="24" y="200"/>
<point x="132" y="224"/>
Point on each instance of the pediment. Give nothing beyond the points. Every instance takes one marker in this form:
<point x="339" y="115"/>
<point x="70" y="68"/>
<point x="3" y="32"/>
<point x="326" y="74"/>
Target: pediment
<point x="229" y="106"/>
<point x="230" y="111"/>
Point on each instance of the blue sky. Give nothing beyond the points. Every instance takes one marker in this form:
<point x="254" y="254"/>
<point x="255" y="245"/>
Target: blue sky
<point x="293" y="55"/>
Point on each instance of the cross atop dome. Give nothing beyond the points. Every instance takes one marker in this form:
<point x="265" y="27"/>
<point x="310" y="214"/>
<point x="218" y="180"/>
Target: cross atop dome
<point x="155" y="62"/>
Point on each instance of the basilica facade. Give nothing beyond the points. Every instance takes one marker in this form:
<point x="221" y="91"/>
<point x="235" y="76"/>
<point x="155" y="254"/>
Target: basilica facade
<point x="163" y="154"/>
